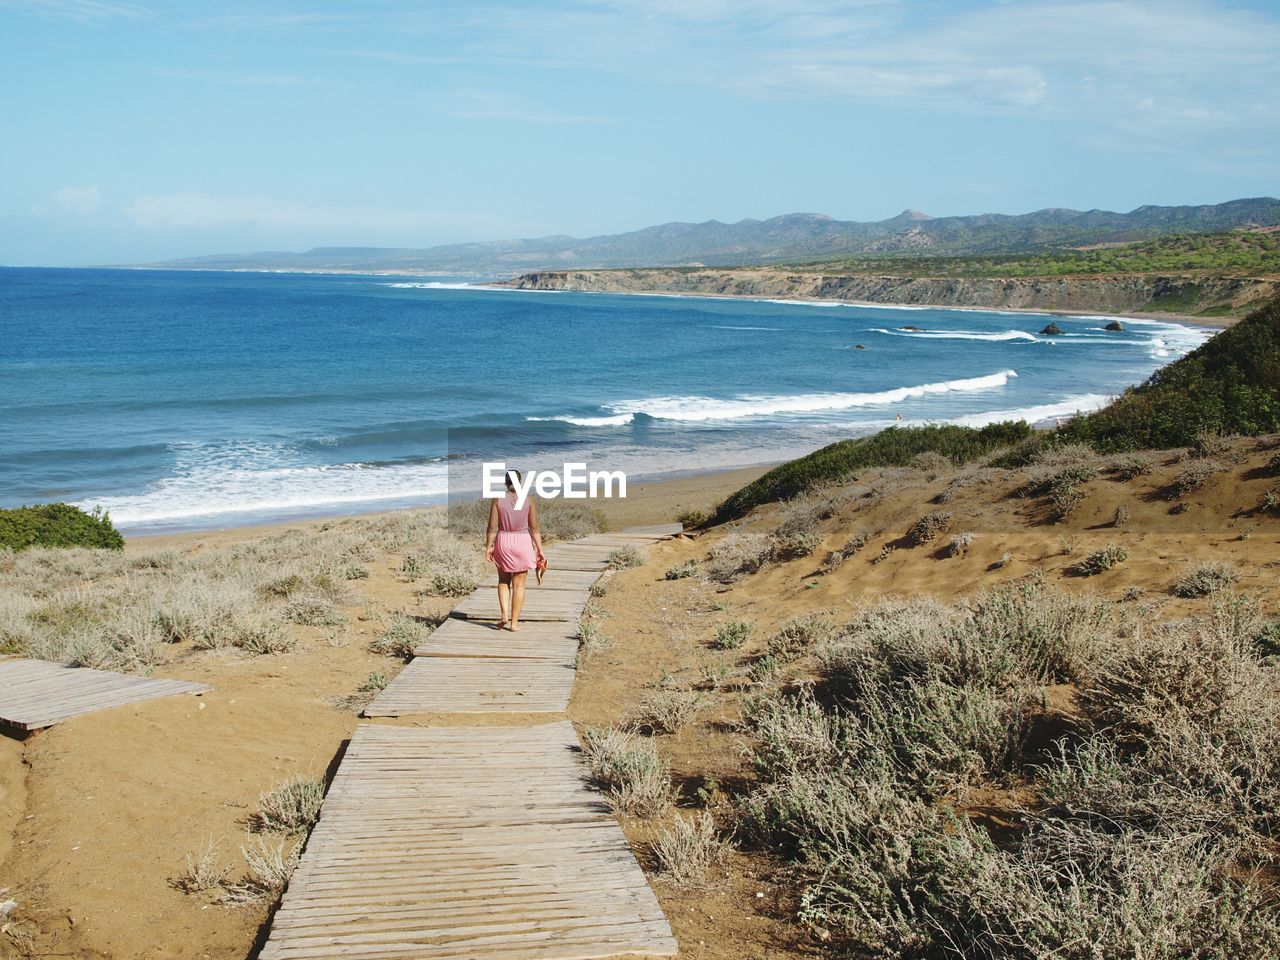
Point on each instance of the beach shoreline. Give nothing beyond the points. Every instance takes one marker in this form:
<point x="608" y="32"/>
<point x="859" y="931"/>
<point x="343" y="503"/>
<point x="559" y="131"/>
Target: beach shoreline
<point x="508" y="285"/>
<point x="648" y="501"/>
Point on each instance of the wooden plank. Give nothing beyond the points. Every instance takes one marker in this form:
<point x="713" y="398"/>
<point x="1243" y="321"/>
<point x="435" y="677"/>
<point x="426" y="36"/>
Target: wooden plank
<point x="543" y="640"/>
<point x="37" y="693"/>
<point x="476" y="685"/>
<point x="502" y="866"/>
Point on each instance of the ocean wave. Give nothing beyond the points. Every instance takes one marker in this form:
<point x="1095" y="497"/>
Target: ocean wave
<point x="958" y="334"/>
<point x="617" y="420"/>
<point x="803" y="303"/>
<point x="211" y="491"/>
<point x="725" y="326"/>
<point x="696" y="409"/>
<point x="429" y="285"/>
<point x="1067" y="407"/>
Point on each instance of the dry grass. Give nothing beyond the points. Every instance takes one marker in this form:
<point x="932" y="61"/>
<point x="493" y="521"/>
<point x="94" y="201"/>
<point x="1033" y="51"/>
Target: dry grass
<point x="663" y="711"/>
<point x="733" y="634"/>
<point x="628" y="771"/>
<point x="801" y="635"/>
<point x="1205" y="579"/>
<point x="1101" y="559"/>
<point x="689" y="849"/>
<point x="400" y="638"/>
<point x="928" y="528"/>
<point x="204" y="871"/>
<point x="123" y="611"/>
<point x="1194" y="476"/>
<point x="847" y="551"/>
<point x="624" y="558"/>
<point x="738" y="555"/>
<point x="291" y="808"/>
<point x="1152" y="814"/>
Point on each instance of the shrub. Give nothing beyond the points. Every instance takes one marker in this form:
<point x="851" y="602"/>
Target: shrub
<point x="313" y="612"/>
<point x="1272" y="467"/>
<point x="57" y="525"/>
<point x="1210" y="444"/>
<point x="1205" y="579"/>
<point x="850" y="549"/>
<point x="270" y="868"/>
<point x="682" y="571"/>
<point x="960" y="544"/>
<point x="691" y="519"/>
<point x="739" y="554"/>
<point x="793" y="546"/>
<point x="628" y="770"/>
<point x="963" y="480"/>
<point x="731" y="635"/>
<point x="1193" y="477"/>
<point x="293" y="807"/>
<point x="452" y="583"/>
<point x="895" y="446"/>
<point x="800" y="635"/>
<point x="1102" y="559"/>
<point x="204" y="870"/>
<point x="663" y="711"/>
<point x="591" y="638"/>
<point x="928" y="528"/>
<point x="688" y="850"/>
<point x="400" y="638"/>
<point x="624" y="557"/>
<point x="1130" y="466"/>
<point x="263" y="637"/>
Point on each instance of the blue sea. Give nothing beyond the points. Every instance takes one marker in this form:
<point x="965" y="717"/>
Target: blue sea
<point x="190" y="400"/>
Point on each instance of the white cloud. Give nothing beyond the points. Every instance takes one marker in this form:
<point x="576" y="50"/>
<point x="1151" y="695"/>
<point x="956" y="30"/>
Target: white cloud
<point x="83" y="11"/>
<point x="232" y="78"/>
<point x="81" y="201"/>
<point x="1206" y="65"/>
<point x="203" y="211"/>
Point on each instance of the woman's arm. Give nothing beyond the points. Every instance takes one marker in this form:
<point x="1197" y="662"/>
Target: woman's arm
<point x="491" y="534"/>
<point x="533" y="527"/>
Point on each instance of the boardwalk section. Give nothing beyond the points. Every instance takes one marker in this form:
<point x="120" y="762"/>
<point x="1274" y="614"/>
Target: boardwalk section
<point x="36" y="693"/>
<point x="467" y="665"/>
<point x="483" y="843"/>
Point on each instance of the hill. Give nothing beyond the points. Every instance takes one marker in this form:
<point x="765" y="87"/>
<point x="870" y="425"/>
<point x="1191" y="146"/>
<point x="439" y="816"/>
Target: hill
<point x="788" y="238"/>
<point x="1230" y="385"/>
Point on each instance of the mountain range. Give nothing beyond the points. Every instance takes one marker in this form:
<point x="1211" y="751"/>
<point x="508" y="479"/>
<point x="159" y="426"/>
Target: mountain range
<point x="791" y="238"/>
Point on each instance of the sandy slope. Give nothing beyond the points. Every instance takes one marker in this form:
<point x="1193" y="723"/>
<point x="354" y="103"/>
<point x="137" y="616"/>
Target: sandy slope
<point x="114" y="801"/>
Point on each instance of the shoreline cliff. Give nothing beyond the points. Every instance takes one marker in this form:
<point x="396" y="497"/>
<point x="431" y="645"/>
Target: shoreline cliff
<point x="1208" y="299"/>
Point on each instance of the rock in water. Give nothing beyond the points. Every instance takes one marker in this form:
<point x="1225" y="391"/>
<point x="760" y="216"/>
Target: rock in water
<point x="1115" y="326"/>
<point x="1052" y="330"/>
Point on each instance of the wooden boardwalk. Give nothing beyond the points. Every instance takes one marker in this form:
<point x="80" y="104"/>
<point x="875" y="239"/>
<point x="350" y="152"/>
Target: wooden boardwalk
<point x="478" y="843"/>
<point x="37" y="693"/>
<point x="468" y="666"/>
<point x="483" y="843"/>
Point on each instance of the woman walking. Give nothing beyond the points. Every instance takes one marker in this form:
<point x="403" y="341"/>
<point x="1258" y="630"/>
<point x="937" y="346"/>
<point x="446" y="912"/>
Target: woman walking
<point x="515" y="545"/>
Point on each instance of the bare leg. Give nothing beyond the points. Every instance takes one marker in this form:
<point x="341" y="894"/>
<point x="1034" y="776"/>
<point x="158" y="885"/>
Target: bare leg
<point x="517" y="598"/>
<point x="504" y="598"/>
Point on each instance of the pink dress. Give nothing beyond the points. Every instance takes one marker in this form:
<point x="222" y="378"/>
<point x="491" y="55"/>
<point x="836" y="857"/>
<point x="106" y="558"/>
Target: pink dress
<point x="513" y="548"/>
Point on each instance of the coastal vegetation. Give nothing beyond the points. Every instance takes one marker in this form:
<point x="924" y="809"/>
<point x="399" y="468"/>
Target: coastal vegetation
<point x="1246" y="253"/>
<point x="1050" y="746"/>
<point x="57" y="525"/>
<point x="893" y="447"/>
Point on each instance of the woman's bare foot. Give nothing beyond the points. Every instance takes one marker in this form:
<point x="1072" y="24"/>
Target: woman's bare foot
<point x="514" y="628"/>
<point x="502" y="625"/>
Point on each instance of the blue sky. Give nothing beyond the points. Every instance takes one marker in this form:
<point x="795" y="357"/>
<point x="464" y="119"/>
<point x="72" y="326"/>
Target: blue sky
<point x="145" y="130"/>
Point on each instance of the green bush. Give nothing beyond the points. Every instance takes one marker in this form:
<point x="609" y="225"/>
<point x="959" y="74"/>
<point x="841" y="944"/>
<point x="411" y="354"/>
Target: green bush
<point x="894" y="447"/>
<point x="1229" y="385"/>
<point x="57" y="525"/>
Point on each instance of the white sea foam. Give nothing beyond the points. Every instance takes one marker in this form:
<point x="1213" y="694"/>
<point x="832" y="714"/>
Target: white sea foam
<point x="430" y="285"/>
<point x="697" y="409"/>
<point x="957" y="334"/>
<point x="213" y="490"/>
<point x="618" y="420"/>
<point x="1067" y="407"/>
<point x="804" y="303"/>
